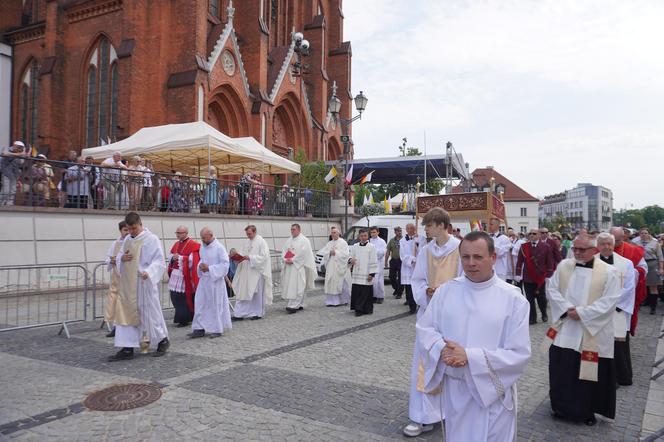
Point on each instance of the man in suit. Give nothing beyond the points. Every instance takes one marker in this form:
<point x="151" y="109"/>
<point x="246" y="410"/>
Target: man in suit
<point x="534" y="265"/>
<point x="548" y="240"/>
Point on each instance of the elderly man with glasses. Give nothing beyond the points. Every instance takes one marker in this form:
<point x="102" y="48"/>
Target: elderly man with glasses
<point x="534" y="265"/>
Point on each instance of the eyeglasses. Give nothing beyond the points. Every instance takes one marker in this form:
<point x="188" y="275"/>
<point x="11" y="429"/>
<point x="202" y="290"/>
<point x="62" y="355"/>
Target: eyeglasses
<point x="178" y="233"/>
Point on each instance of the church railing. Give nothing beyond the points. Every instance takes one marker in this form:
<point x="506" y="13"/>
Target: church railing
<point x="34" y="182"/>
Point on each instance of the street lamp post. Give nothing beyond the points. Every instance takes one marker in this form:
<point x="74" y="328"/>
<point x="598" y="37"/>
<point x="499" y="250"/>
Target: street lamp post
<point x="334" y="107"/>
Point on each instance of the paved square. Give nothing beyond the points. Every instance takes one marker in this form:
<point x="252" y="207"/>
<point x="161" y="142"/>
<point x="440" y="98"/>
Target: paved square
<point x="329" y="376"/>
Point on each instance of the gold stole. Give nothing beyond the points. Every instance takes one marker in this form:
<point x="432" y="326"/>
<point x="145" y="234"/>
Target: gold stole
<point x="126" y="311"/>
<point x="440" y="270"/>
<point x="113" y="287"/>
<point x="589" y="345"/>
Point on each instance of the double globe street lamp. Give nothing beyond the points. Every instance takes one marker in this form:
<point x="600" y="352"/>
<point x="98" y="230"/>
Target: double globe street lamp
<point x="334" y="106"/>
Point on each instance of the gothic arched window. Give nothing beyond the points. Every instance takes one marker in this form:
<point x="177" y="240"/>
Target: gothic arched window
<point x="102" y="88"/>
<point x="29" y="103"/>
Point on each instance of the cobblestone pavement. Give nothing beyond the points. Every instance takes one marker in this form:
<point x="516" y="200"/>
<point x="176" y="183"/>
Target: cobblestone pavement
<point x="321" y="374"/>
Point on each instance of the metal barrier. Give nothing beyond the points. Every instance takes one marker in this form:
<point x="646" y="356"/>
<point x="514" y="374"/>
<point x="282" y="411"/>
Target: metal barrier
<point x="59" y="294"/>
<point x="35" y="296"/>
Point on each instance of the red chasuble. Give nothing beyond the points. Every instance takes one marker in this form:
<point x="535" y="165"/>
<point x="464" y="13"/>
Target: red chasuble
<point x="184" y="249"/>
<point x="635" y="254"/>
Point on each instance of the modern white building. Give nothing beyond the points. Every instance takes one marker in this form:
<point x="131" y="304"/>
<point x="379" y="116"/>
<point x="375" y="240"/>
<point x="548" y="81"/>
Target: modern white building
<point x="585" y="206"/>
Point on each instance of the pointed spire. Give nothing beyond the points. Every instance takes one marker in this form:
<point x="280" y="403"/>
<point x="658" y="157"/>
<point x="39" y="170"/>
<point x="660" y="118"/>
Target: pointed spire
<point x="230" y="10"/>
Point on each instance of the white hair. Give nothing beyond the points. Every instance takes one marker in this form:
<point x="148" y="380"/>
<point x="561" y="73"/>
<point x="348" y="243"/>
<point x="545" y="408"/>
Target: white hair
<point x="591" y="240"/>
<point x="606" y="236"/>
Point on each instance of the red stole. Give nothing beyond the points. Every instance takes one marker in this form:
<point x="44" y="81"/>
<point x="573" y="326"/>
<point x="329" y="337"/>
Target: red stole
<point x="635" y="254"/>
<point x="531" y="268"/>
<point x="190" y="275"/>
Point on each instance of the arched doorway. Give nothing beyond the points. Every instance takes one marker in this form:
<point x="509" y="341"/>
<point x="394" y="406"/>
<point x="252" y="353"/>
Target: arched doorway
<point x="226" y="112"/>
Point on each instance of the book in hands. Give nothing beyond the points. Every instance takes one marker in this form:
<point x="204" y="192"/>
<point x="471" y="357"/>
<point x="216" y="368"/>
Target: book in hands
<point x="239" y="258"/>
<point x="289" y="255"/>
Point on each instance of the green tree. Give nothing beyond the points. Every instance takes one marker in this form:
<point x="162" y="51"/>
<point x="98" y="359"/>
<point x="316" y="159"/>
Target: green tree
<point x="312" y="175"/>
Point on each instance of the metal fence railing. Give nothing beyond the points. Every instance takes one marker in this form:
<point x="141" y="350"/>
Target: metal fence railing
<point x="59" y="294"/>
<point x="39" y="182"/>
<point x="34" y="296"/>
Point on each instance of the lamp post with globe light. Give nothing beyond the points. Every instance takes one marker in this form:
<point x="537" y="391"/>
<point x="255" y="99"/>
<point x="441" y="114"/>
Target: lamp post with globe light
<point x="334" y="107"/>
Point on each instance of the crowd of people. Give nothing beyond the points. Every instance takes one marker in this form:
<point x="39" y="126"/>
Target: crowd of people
<point x="117" y="183"/>
<point x="475" y="298"/>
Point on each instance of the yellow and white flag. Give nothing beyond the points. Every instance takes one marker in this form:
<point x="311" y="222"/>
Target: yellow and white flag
<point x="331" y="174"/>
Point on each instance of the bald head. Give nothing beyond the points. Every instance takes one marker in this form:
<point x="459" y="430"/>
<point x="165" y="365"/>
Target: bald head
<point x="618" y="234"/>
<point x="207" y="236"/>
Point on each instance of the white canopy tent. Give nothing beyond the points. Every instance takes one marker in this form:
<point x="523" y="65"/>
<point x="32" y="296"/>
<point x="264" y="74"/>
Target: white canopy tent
<point x="195" y="145"/>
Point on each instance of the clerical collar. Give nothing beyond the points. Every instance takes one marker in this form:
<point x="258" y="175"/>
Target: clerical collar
<point x="363" y="244"/>
<point x="606" y="259"/>
<point x="588" y="265"/>
<point x="408" y="237"/>
<point x="484" y="284"/>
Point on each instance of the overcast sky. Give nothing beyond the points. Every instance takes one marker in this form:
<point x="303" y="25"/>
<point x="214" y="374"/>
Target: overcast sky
<point x="551" y="93"/>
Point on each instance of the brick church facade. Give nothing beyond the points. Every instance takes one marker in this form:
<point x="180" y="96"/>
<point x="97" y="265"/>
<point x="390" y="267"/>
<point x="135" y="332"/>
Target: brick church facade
<point x="91" y="70"/>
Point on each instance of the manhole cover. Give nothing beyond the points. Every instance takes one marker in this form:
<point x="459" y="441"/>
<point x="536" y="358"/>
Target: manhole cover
<point x="122" y="397"/>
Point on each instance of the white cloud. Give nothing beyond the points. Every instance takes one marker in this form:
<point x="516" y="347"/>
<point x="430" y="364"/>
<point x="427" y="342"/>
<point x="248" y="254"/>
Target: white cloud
<point x="562" y="82"/>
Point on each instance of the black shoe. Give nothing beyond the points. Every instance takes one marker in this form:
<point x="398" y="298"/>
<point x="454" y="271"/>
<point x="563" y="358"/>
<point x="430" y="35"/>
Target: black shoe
<point x="255" y="318"/>
<point x="378" y="301"/>
<point x="162" y="347"/>
<point x="532" y="322"/>
<point x="590" y="422"/>
<point x="300" y="308"/>
<point x="405" y="303"/>
<point x="123" y="355"/>
<point x="182" y="324"/>
<point x="358" y="313"/>
<point x="196" y="334"/>
<point x="235" y="319"/>
<point x="652" y="312"/>
<point x="412" y="312"/>
<point x="291" y="310"/>
<point x="398" y="296"/>
<point x="215" y="335"/>
<point x="545" y="318"/>
<point x="111" y="334"/>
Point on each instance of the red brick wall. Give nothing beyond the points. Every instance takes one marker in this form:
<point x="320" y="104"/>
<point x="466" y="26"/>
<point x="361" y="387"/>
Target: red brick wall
<point x="168" y="37"/>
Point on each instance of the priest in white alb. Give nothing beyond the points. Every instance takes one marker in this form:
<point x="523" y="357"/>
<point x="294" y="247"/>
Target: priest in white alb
<point x="408" y="249"/>
<point x="583" y="293"/>
<point x="337" y="273"/>
<point x="379" y="281"/>
<point x="211" y="309"/>
<point x="622" y="318"/>
<point x="437" y="263"/>
<point x="474" y="343"/>
<point x="252" y="283"/>
<point x="299" y="270"/>
<point x="364" y="267"/>
<point x="503" y="246"/>
<point x="139" y="320"/>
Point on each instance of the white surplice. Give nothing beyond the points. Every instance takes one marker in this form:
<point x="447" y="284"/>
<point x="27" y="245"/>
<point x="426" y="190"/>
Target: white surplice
<point x="490" y="321"/>
<point x="379" y="280"/>
<point x="252" y="282"/>
<point x="151" y="317"/>
<point x="628" y="276"/>
<point x="211" y="309"/>
<point x="301" y="274"/>
<point x="425" y="408"/>
<point x="366" y="263"/>
<point x="597" y="317"/>
<point x="408" y="250"/>
<point x="503" y="246"/>
<point x="337" y="272"/>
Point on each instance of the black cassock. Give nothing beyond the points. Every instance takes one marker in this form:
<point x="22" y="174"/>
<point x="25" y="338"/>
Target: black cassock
<point x="576" y="399"/>
<point x="361" y="299"/>
<point x="182" y="313"/>
<point x="623" y="361"/>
